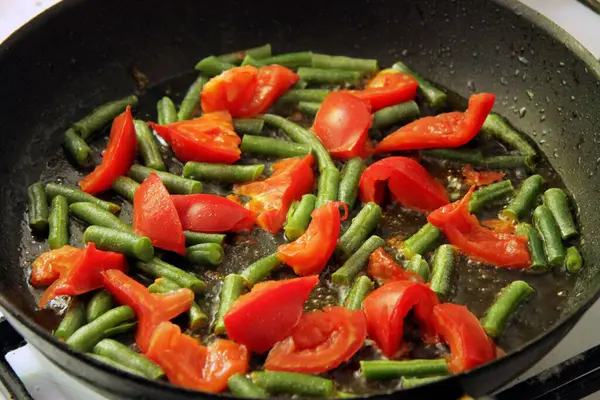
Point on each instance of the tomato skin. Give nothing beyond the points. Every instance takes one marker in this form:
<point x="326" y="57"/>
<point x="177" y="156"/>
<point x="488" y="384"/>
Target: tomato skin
<point x="188" y="363"/>
<point x="411" y="185"/>
<point x="272" y="82"/>
<point x="383" y="268"/>
<point x="84" y="273"/>
<point x="155" y="216"/>
<point x="387" y="306"/>
<point x="469" y="345"/>
<point x="271" y="198"/>
<point x="268" y="313"/>
<point x="309" y="254"/>
<point x="151" y="309"/>
<point x="49" y="265"/>
<point x="210" y="138"/>
<point x="342" y="124"/>
<point x="230" y="91"/>
<point x="212" y="214"/>
<point x="464" y="231"/>
<point x="451" y="129"/>
<point x="320" y="342"/>
<point x="480" y="178"/>
<point x="118" y="156"/>
<point x="387" y="88"/>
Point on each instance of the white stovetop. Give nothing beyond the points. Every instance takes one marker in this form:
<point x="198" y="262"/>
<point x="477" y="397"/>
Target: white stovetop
<point x="46" y="382"/>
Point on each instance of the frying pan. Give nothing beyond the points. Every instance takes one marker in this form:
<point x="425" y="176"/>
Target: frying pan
<point x="80" y="53"/>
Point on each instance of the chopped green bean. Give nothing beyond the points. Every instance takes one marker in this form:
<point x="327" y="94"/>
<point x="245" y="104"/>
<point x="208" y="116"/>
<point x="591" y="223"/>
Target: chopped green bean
<point x="205" y="253"/>
<point x="94" y="215"/>
<point x="303" y="385"/>
<point x="77" y="148"/>
<point x="508" y="162"/>
<point x="328" y="76"/>
<point x="422" y="241"/>
<point x="369" y="66"/>
<point x="443" y="264"/>
<point x="498" y="128"/>
<point x="231" y="290"/>
<point x="192" y="238"/>
<point x="126" y="187"/>
<point x="116" y="365"/>
<point x="300" y="84"/>
<point x="507" y="302"/>
<point x="383" y="370"/>
<point x="198" y="319"/>
<point x="465" y="156"/>
<point x="38" y="211"/>
<point x="102" y="115"/>
<point x="357" y="261"/>
<point x="174" y="183"/>
<point x="249" y="60"/>
<point x="434" y="96"/>
<point x="126" y="243"/>
<point x="360" y="289"/>
<point x="249" y="126"/>
<point x="241" y="386"/>
<point x="400" y="113"/>
<point x="329" y="182"/>
<point x="266" y="146"/>
<point x="351" y="174"/>
<point x="535" y="245"/>
<point x="573" y="260"/>
<point x="166" y="111"/>
<point x="73" y="320"/>
<point x="158" y="268"/>
<point x="556" y="200"/>
<point x="86" y="337"/>
<point x="522" y="204"/>
<point x="260" y="269"/>
<point x="305" y="95"/>
<point x="419" y="265"/>
<point x="291" y="60"/>
<point x="309" y="108"/>
<point x="490" y="194"/>
<point x="148" y="146"/>
<point x="362" y="225"/>
<point x="74" y="195"/>
<point x="123" y="355"/>
<point x="58" y="223"/>
<point x="191" y="100"/>
<point x="222" y="172"/>
<point x="300" y="218"/>
<point x="120" y="329"/>
<point x="408" y="383"/>
<point x="100" y="303"/>
<point x="212" y="66"/>
<point x="258" y="52"/>
<point x="546" y="224"/>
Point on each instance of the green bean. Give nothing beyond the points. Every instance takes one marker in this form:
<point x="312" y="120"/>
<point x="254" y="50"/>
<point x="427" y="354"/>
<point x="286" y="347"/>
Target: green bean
<point x="205" y="253"/>
<point x="291" y="60"/>
<point x="198" y="319"/>
<point x="212" y="66"/>
<point x="236" y="57"/>
<point x="166" y="111"/>
<point x="309" y="108"/>
<point x="383" y="370"/>
<point x="434" y="96"/>
<point x="465" y="156"/>
<point x="369" y="66"/>
<point x="222" y="172"/>
<point x="120" y="329"/>
<point x="498" y="128"/>
<point x="303" y="385"/>
<point x="123" y="355"/>
<point x="266" y="146"/>
<point x="37" y="208"/>
<point x="116" y="365"/>
<point x="260" y="269"/>
<point x="546" y="224"/>
<point x="362" y="225"/>
<point x="126" y="243"/>
<point x="249" y="60"/>
<point x="231" y="290"/>
<point x="248" y="126"/>
<point x="100" y="303"/>
<point x="102" y="116"/>
<point x="174" y="183"/>
<point x="345" y="395"/>
<point x="86" y="337"/>
<point x="191" y="100"/>
<point x="58" y="223"/>
<point x="74" y="195"/>
<point x="357" y="261"/>
<point x="94" y="215"/>
<point x="507" y="302"/>
<point x="419" y="265"/>
<point x="300" y="84"/>
<point x="351" y="174"/>
<point x="573" y="260"/>
<point x="328" y="76"/>
<point x="408" y="383"/>
<point x="126" y="187"/>
<point x="300" y="218"/>
<point x="73" y="320"/>
<point x="241" y="386"/>
<point x="522" y="204"/>
<point x="400" y="113"/>
<point x="148" y="146"/>
<point x="292" y="210"/>
<point x="443" y="270"/>
<point x="305" y="95"/>
<point x="329" y="181"/>
<point x="158" y="268"/>
<point x="556" y="200"/>
<point x="192" y="238"/>
<point x="301" y="135"/>
<point x="422" y="241"/>
<point x="360" y="289"/>
<point x="535" y="245"/>
<point x="508" y="162"/>
<point x="489" y="194"/>
<point x="77" y="148"/>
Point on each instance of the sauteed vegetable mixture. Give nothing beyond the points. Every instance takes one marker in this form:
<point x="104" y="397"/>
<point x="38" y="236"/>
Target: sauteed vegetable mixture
<point x="300" y="218"/>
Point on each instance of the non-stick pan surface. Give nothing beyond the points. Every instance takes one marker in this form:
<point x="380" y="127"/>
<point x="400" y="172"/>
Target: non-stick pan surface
<point x="80" y="53"/>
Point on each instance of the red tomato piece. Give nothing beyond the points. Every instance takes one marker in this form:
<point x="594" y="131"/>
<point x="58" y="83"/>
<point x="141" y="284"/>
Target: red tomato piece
<point x="49" y="265"/>
<point x="268" y="313"/>
<point x="188" y="363"/>
<point x="309" y="254"/>
<point x="451" y="129"/>
<point x="230" y="91"/>
<point x="212" y="214"/>
<point x="383" y="268"/>
<point x="320" y="342"/>
<point x="464" y="231"/>
<point x="210" y="138"/>
<point x="118" y="156"/>
<point x="387" y="306"/>
<point x="411" y="185"/>
<point x="480" y="178"/>
<point x="342" y="123"/>
<point x="272" y="197"/>
<point x="155" y="216"/>
<point x="389" y="87"/>
<point x="85" y="274"/>
<point x="273" y="81"/>
<point x="150" y="308"/>
<point x="469" y="345"/>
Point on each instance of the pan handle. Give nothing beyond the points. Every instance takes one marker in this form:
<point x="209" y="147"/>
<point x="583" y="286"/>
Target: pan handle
<point x="11" y="340"/>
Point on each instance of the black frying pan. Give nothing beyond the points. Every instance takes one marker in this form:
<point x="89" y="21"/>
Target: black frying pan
<point x="80" y="53"/>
